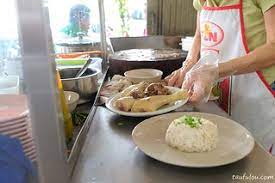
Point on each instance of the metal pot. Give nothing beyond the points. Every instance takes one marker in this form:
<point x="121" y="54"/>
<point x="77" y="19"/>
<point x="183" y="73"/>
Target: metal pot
<point x="66" y="48"/>
<point x="85" y="86"/>
<point x="78" y="44"/>
<point x="167" y="60"/>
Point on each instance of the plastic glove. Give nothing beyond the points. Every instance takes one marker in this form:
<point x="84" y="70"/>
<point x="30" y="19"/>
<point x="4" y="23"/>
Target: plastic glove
<point x="176" y="78"/>
<point x="200" y="79"/>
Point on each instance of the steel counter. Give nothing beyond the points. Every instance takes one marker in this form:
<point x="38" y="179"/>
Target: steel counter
<point x="110" y="156"/>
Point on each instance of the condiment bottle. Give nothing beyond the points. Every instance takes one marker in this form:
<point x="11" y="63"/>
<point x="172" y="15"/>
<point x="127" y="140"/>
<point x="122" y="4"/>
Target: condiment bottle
<point x="68" y="124"/>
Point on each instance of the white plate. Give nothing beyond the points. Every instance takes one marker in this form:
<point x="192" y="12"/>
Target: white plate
<point x="21" y="136"/>
<point x="22" y="125"/>
<point x="11" y="114"/>
<point x="13" y="122"/>
<point x="14" y="131"/>
<point x="28" y="145"/>
<point x="30" y="151"/>
<point x="31" y="154"/>
<point x="235" y="142"/>
<point x="13" y="107"/>
<point x="162" y="110"/>
<point x="27" y="141"/>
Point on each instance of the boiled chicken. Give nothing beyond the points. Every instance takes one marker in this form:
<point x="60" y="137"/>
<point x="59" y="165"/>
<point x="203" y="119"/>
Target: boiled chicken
<point x="125" y="103"/>
<point x="153" y="103"/>
<point x="136" y="91"/>
<point x="126" y="92"/>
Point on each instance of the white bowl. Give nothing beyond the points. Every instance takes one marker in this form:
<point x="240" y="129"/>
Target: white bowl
<point x="139" y="75"/>
<point x="9" y="85"/>
<point x="71" y="99"/>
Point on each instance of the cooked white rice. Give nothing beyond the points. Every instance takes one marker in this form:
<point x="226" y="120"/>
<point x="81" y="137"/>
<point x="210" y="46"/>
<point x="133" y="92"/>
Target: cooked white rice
<point x="202" y="138"/>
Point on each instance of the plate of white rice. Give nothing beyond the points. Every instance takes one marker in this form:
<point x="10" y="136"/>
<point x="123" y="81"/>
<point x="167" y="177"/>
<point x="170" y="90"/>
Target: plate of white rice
<point x="191" y="139"/>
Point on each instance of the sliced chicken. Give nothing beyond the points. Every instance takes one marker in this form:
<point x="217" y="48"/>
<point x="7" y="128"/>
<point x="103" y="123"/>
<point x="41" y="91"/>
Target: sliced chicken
<point x="136" y="91"/>
<point x="126" y="92"/>
<point x="153" y="103"/>
<point x="125" y="103"/>
<point x="156" y="89"/>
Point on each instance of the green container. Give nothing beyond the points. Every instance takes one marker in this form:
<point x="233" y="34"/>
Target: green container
<point x="70" y="61"/>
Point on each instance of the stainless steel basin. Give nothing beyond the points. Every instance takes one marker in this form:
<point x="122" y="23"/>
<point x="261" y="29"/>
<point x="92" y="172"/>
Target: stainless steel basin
<point x="85" y="86"/>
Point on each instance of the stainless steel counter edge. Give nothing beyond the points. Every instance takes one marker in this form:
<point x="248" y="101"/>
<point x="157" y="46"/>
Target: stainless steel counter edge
<point x="80" y="139"/>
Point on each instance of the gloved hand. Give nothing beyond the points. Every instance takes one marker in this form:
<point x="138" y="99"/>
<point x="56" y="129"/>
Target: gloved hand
<point x="176" y="78"/>
<point x="200" y="79"/>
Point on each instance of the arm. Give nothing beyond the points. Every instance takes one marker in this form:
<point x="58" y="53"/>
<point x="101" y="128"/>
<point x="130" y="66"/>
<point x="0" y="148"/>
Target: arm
<point x="260" y="58"/>
<point x="177" y="77"/>
<point x="193" y="54"/>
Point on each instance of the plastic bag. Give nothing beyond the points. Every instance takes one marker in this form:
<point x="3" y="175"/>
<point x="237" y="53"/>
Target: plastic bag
<point x="15" y="167"/>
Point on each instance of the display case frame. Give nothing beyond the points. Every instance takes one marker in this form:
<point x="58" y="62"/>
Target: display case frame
<point x="39" y="70"/>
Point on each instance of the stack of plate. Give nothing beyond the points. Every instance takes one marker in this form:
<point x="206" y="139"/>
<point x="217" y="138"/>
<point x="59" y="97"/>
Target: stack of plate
<point x="15" y="122"/>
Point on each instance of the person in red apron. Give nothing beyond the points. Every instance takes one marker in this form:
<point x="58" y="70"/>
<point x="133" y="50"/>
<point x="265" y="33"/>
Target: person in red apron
<point x="245" y="92"/>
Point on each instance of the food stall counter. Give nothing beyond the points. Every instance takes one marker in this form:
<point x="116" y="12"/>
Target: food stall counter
<point x="109" y="155"/>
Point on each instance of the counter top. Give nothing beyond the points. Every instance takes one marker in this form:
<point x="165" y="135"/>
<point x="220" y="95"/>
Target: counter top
<point x="110" y="156"/>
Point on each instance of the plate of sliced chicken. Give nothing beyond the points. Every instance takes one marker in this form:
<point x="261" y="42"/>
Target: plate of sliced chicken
<point x="147" y="99"/>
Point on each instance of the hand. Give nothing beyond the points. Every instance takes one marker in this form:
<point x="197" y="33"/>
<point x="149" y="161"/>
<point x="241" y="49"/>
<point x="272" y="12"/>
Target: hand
<point x="176" y="78"/>
<point x="200" y="80"/>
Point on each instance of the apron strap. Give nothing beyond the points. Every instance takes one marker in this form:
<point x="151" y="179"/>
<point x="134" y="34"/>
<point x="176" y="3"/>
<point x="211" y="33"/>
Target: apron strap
<point x="227" y="7"/>
<point x="267" y="85"/>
